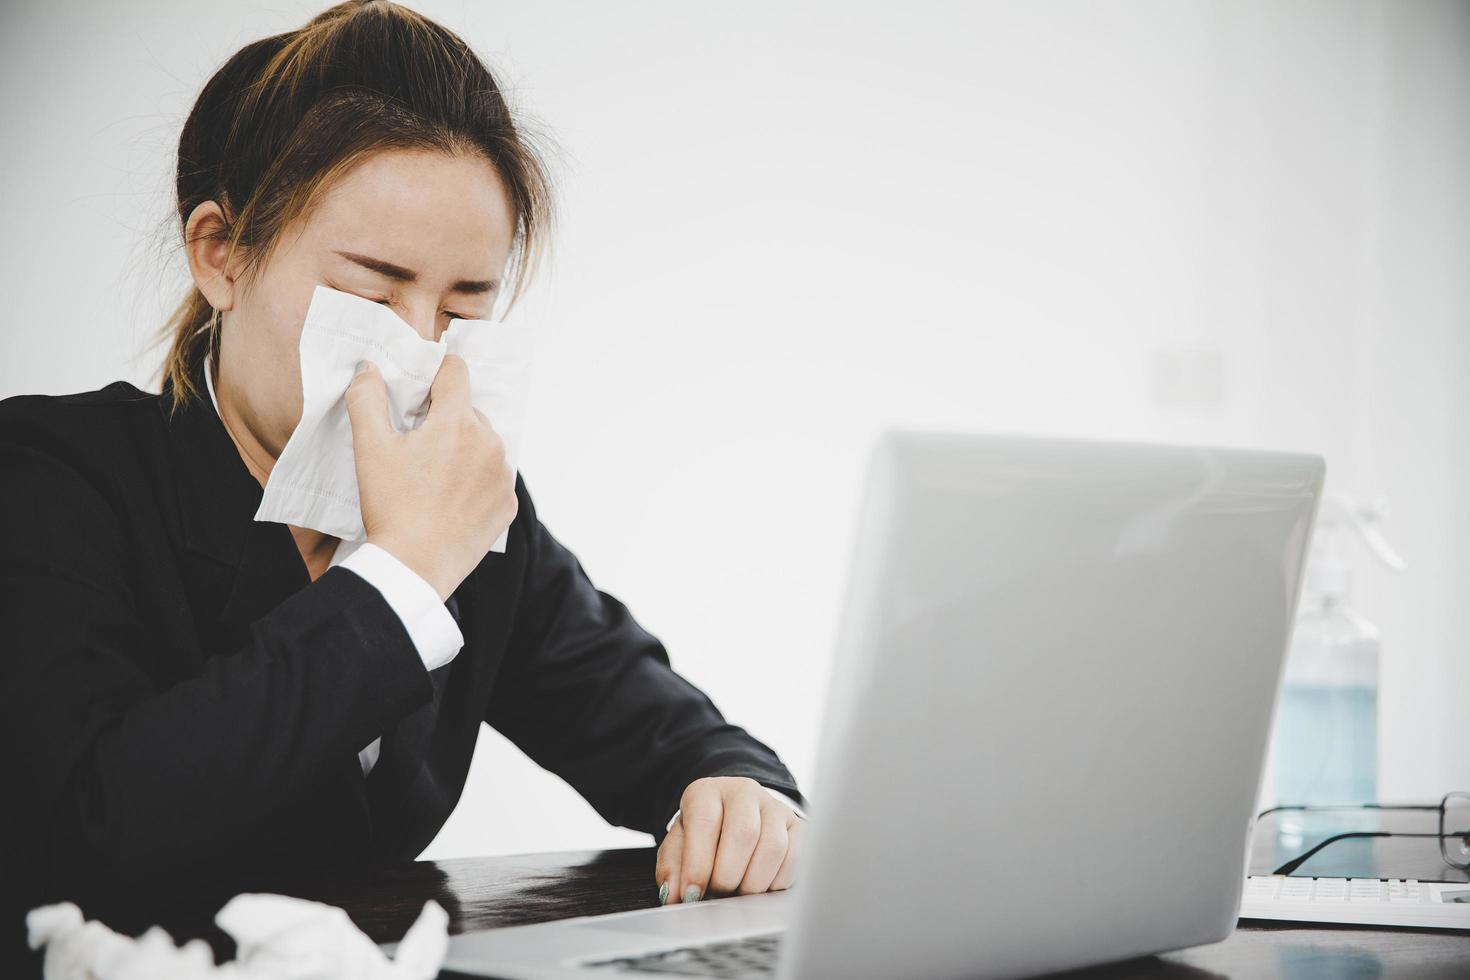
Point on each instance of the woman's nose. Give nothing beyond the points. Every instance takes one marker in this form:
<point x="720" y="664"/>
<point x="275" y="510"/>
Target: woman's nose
<point x="425" y="323"/>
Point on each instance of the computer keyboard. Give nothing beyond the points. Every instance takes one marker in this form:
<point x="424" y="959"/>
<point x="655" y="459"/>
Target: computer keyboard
<point x="1358" y="901"/>
<point x="1353" y="901"/>
<point x="749" y="956"/>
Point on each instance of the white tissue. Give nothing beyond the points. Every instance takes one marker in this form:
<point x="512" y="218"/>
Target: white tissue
<point x="314" y="483"/>
<point x="277" y="938"/>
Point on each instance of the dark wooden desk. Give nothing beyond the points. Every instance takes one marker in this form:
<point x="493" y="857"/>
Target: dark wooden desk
<point x="500" y="891"/>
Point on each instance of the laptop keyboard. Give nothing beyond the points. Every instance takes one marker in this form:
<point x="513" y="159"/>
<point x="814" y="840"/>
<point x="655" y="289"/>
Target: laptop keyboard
<point x="749" y="956"/>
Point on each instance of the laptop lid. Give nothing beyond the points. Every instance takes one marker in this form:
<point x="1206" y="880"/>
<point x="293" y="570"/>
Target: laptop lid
<point x="1048" y="716"/>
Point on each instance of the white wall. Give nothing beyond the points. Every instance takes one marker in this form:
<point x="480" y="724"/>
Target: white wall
<point x="786" y="225"/>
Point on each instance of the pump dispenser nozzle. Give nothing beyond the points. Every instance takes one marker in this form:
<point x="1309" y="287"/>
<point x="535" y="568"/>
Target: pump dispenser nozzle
<point x="1329" y="575"/>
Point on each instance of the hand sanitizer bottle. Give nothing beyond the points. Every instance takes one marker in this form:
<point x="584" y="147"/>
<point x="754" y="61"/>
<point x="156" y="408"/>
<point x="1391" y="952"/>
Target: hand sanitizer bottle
<point x="1327" y="722"/>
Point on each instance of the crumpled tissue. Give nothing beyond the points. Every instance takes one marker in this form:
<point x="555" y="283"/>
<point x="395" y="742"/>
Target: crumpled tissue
<point x="314" y="483"/>
<point x="277" y="938"/>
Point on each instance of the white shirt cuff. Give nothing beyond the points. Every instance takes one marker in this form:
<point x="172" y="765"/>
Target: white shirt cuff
<point x="433" y="630"/>
<point x="795" y="807"/>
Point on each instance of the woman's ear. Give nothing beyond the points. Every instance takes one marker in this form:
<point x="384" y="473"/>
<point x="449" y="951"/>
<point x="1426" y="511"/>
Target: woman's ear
<point x="206" y="241"/>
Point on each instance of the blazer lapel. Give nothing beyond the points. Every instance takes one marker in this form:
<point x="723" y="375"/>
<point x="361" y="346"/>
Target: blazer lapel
<point x="238" y="569"/>
<point x="217" y="498"/>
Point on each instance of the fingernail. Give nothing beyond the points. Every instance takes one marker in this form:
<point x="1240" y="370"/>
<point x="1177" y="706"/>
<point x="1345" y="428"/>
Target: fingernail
<point x="663" y="893"/>
<point x="362" y="366"/>
<point x="691" y="893"/>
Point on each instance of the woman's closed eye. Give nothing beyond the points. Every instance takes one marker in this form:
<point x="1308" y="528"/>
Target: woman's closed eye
<point x="449" y="313"/>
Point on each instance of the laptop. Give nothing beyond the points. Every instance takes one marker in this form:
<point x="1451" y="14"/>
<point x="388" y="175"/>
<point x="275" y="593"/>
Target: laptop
<point x="1054" y="681"/>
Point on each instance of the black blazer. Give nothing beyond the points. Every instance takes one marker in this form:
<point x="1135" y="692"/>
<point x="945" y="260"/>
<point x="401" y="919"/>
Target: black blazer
<point x="181" y="702"/>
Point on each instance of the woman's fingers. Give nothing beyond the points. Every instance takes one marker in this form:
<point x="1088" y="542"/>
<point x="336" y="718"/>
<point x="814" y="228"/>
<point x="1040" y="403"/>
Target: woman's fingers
<point x="739" y="835"/>
<point x="702" y="810"/>
<point x="367" y="408"/>
<point x="450" y="390"/>
<point x="666" y="868"/>
<point x="787" y="873"/>
<point x="770" y="849"/>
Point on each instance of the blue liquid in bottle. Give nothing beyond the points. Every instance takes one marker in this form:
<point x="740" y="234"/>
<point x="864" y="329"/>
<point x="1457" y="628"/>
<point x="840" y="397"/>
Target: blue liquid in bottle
<point x="1327" y="723"/>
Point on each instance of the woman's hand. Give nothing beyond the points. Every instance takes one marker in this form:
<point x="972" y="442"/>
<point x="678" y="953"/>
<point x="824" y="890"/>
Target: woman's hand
<point x="731" y="836"/>
<point x="438" y="496"/>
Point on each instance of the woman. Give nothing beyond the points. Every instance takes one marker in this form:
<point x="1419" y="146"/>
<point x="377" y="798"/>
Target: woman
<point x="190" y="693"/>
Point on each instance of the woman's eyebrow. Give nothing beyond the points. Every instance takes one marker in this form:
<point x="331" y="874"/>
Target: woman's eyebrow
<point x="400" y="274"/>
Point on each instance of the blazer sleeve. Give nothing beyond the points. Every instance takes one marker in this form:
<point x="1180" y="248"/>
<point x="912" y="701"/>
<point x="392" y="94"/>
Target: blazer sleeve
<point x="590" y="695"/>
<point x="119" y="785"/>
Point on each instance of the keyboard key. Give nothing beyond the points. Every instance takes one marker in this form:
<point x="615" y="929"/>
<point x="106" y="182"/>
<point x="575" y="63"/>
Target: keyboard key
<point x="1296" y="889"/>
<point x="1365" y="890"/>
<point x="749" y="957"/>
<point x="1407" y="893"/>
<point x="1262" y="887"/>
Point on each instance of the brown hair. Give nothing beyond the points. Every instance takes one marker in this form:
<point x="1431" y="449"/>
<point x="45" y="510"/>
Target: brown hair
<point x="289" y="114"/>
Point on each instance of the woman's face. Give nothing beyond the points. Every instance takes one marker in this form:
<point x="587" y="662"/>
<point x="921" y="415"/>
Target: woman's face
<point x="424" y="233"/>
